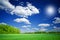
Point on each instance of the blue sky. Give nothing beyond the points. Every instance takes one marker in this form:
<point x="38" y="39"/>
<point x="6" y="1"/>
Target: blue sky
<point x="31" y="15"/>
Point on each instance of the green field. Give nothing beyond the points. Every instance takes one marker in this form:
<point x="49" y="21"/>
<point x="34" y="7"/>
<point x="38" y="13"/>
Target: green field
<point x="29" y="36"/>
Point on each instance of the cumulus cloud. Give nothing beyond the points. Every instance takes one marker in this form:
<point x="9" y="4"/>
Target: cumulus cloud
<point x="24" y="20"/>
<point x="57" y="20"/>
<point x="6" y="5"/>
<point x="43" y="25"/>
<point x="26" y="11"/>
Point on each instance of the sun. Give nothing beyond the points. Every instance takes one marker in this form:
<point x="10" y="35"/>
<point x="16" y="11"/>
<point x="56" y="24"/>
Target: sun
<point x="50" y="10"/>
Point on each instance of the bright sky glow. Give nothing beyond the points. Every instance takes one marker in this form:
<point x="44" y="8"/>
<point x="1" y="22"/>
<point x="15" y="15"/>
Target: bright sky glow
<point x="50" y="10"/>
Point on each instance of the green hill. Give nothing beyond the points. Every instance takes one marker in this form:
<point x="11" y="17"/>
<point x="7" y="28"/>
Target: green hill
<point x="7" y="29"/>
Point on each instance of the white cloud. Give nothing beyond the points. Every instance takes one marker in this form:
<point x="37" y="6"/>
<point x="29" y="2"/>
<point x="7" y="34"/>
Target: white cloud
<point x="57" y="20"/>
<point x="24" y="20"/>
<point x="25" y="11"/>
<point x="35" y="29"/>
<point x="43" y="29"/>
<point x="43" y="25"/>
<point x="56" y="29"/>
<point x="19" y="10"/>
<point x="5" y="4"/>
<point x="59" y="10"/>
<point x="24" y="31"/>
<point x="3" y="23"/>
<point x="27" y="30"/>
<point x="32" y="8"/>
<point x="26" y="26"/>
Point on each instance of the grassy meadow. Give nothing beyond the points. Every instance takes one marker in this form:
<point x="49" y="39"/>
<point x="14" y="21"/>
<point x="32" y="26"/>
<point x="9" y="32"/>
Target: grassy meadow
<point x="29" y="36"/>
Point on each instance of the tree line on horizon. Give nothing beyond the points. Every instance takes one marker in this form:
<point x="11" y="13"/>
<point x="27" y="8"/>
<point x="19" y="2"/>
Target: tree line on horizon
<point x="7" y="29"/>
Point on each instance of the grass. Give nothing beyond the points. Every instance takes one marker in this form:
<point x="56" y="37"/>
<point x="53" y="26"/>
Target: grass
<point x="29" y="36"/>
